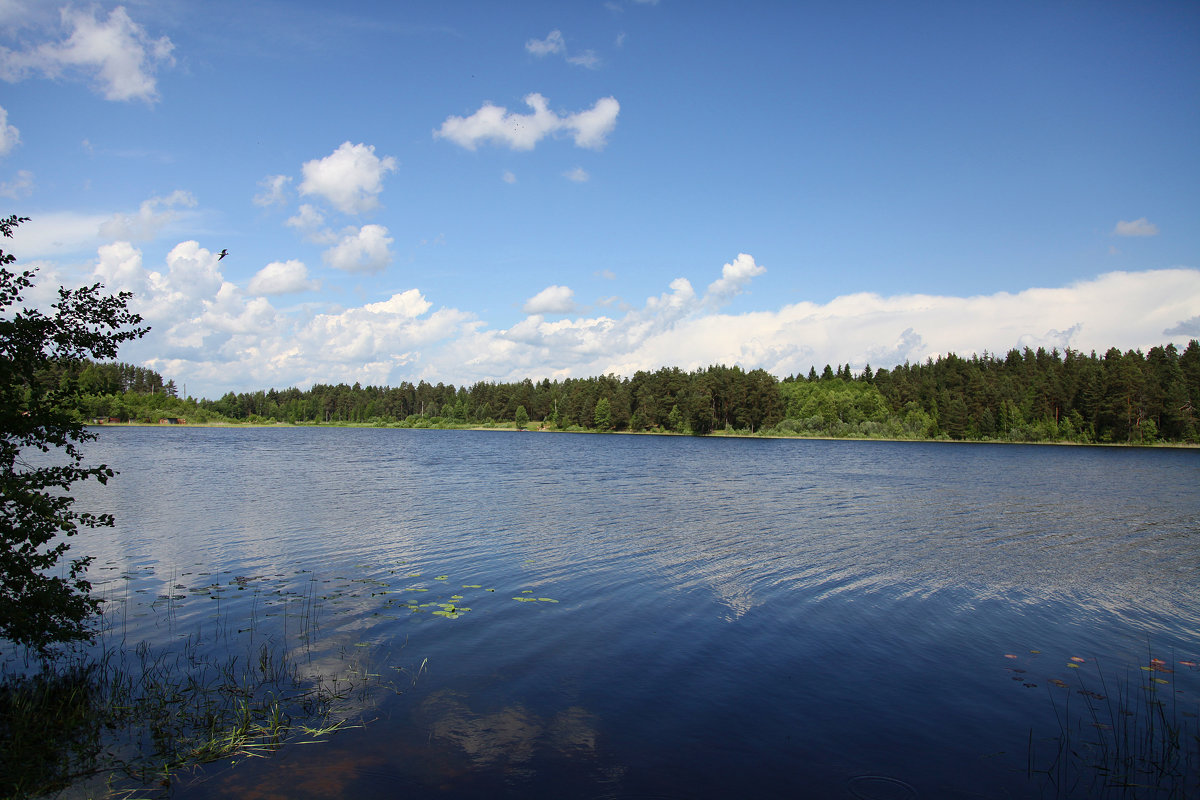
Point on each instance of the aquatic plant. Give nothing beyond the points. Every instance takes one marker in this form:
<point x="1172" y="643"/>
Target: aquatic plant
<point x="1132" y="735"/>
<point x="136" y="719"/>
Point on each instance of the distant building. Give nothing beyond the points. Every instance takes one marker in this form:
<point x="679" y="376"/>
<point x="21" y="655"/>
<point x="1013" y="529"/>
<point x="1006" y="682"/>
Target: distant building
<point x="172" y="421"/>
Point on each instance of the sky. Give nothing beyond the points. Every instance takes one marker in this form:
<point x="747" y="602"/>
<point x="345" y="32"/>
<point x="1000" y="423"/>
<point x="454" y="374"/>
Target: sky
<point x="474" y="191"/>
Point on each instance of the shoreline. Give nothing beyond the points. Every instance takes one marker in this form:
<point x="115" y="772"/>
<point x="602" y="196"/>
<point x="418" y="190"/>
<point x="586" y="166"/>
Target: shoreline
<point x="714" y="435"/>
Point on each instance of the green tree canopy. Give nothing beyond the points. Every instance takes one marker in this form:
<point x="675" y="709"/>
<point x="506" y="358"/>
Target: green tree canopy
<point x="38" y="608"/>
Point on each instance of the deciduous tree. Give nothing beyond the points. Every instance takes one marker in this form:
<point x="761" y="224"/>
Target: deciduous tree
<point x="37" y="607"/>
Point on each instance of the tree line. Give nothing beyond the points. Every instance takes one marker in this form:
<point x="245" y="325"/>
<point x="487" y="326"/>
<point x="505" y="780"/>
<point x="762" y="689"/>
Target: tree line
<point x="1025" y="395"/>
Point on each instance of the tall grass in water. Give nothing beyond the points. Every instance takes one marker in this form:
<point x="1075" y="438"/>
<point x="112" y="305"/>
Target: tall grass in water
<point x="121" y="720"/>
<point x="1133" y="736"/>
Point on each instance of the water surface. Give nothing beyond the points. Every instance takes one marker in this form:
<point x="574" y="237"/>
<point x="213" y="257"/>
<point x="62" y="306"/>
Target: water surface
<point x="733" y="617"/>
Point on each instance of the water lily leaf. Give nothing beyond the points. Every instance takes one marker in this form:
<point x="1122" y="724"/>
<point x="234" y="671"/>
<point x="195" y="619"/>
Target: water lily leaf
<point x="547" y="600"/>
<point x="1189" y="663"/>
<point x="1073" y="666"/>
<point x="442" y="578"/>
<point x="1078" y="660"/>
<point x="525" y="599"/>
<point x="1057" y="682"/>
<point x="472" y="586"/>
<point x="1009" y="655"/>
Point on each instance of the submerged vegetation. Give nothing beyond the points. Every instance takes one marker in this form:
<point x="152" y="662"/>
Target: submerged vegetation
<point x="119" y="719"/>
<point x="1131" y="734"/>
<point x="239" y="667"/>
<point x="1025" y="396"/>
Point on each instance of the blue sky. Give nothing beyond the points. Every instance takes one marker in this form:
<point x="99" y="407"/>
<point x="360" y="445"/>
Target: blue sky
<point x="476" y="191"/>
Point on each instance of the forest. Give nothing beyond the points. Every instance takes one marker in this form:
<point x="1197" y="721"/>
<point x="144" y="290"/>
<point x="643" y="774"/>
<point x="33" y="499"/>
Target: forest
<point x="1025" y="396"/>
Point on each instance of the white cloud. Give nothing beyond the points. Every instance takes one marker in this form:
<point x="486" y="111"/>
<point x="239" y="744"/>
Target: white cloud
<point x="309" y="222"/>
<point x="120" y="267"/>
<point x="282" y="277"/>
<point x="551" y="300"/>
<point x="678" y="328"/>
<point x="151" y="217"/>
<point x="362" y="249"/>
<point x="1137" y="227"/>
<point x="210" y="334"/>
<point x="350" y="179"/>
<point x="117" y="54"/>
<point x="553" y="43"/>
<point x="57" y="233"/>
<point x="492" y="123"/>
<point x="508" y="177"/>
<point x="587" y="58"/>
<point x="578" y="175"/>
<point x="20" y="186"/>
<point x="172" y="296"/>
<point x="274" y="190"/>
<point x="10" y="137"/>
<point x="592" y="127"/>
<point x="733" y="281"/>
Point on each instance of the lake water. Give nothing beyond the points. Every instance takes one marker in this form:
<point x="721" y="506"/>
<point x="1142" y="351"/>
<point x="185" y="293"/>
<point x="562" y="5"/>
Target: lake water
<point x="733" y="617"/>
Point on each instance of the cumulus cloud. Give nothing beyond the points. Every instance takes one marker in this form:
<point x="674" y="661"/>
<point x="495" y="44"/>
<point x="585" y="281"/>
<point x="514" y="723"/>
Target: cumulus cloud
<point x="116" y="54"/>
<point x="362" y="249"/>
<point x="151" y="217"/>
<point x="10" y="137"/>
<point x="578" y="175"/>
<point x="1137" y="227"/>
<point x="735" y="276"/>
<point x="282" y="277"/>
<point x="274" y="190"/>
<point x="309" y="222"/>
<point x="491" y="123"/>
<point x="120" y="267"/>
<point x="508" y="177"/>
<point x="214" y="336"/>
<point x="553" y="43"/>
<point x="20" y="186"/>
<point x="175" y="294"/>
<point x="551" y="300"/>
<point x="350" y="178"/>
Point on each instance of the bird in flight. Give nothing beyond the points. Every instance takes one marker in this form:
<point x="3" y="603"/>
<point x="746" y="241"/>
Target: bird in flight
<point x="222" y="254"/>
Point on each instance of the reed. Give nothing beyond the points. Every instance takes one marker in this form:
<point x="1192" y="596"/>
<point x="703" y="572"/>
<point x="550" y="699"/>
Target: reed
<point x="1134" y="735"/>
<point x="119" y="721"/>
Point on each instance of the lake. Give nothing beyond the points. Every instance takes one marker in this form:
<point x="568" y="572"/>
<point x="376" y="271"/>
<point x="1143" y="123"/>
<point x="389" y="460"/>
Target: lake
<point x="675" y="617"/>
